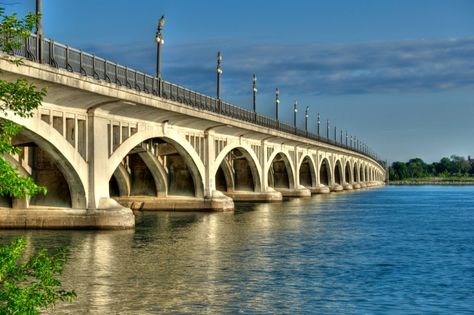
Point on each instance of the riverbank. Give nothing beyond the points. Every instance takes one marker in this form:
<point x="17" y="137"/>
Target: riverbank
<point x="434" y="181"/>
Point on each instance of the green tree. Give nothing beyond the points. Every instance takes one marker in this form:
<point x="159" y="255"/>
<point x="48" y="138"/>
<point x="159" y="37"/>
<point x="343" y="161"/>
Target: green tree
<point x="29" y="285"/>
<point x="459" y="165"/>
<point x="416" y="168"/>
<point x="26" y="285"/>
<point x="16" y="98"/>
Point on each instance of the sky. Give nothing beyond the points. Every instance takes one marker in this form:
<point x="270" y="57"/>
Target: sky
<point x="398" y="74"/>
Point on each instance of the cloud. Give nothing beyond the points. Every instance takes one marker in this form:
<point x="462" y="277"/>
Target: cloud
<point x="312" y="69"/>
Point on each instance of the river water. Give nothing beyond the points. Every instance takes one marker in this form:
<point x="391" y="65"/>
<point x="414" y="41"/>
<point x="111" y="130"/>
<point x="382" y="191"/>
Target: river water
<point x="397" y="250"/>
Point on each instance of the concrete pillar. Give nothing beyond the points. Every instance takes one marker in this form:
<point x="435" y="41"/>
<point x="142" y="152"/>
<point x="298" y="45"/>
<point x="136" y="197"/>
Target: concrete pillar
<point x="98" y="158"/>
<point x="209" y="157"/>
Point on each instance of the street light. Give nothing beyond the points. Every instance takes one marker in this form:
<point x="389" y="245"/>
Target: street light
<point x="159" y="41"/>
<point x="319" y="122"/>
<point x="254" y="85"/>
<point x="277" y="103"/>
<point x="327" y="131"/>
<point x="335" y="134"/>
<point x="295" y="110"/>
<point x="306" y="119"/>
<point x="347" y="138"/>
<point x="39" y="30"/>
<point x="219" y="73"/>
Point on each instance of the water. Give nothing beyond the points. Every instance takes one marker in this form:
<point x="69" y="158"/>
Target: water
<point x="393" y="250"/>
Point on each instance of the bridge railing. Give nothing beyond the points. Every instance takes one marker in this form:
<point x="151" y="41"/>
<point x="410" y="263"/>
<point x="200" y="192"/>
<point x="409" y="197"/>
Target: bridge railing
<point x="74" y="60"/>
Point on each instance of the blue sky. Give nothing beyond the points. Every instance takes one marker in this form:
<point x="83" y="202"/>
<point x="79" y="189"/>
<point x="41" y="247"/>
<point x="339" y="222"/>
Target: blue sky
<point x="397" y="73"/>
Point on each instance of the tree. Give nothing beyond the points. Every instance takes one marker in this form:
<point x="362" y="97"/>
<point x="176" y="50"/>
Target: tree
<point x="16" y="98"/>
<point x="26" y="285"/>
<point x="29" y="285"/>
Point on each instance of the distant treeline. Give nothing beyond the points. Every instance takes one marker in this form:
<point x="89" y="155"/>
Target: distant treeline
<point x="447" y="167"/>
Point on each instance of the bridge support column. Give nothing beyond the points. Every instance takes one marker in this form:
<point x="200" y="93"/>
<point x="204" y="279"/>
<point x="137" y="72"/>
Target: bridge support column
<point x="108" y="212"/>
<point x="270" y="194"/>
<point x="216" y="199"/>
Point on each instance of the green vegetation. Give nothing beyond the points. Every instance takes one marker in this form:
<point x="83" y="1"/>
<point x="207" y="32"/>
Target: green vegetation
<point x="30" y="285"/>
<point x="16" y="98"/>
<point x="26" y="285"/>
<point x="454" y="169"/>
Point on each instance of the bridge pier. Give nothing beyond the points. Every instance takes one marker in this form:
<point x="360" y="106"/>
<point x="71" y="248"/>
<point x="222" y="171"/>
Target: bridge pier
<point x="336" y="188"/>
<point x="347" y="186"/>
<point x="320" y="189"/>
<point x="294" y="192"/>
<point x="218" y="202"/>
<point x="270" y="195"/>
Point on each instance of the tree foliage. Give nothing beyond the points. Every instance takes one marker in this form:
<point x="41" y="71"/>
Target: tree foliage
<point x="29" y="285"/>
<point x="417" y="168"/>
<point x="16" y="98"/>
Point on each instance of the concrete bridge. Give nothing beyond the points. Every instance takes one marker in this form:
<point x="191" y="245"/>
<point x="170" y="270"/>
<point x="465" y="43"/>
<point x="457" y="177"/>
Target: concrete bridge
<point x="108" y="139"/>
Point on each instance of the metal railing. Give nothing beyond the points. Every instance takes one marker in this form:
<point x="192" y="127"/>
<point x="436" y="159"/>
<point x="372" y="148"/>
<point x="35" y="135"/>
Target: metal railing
<point x="62" y="56"/>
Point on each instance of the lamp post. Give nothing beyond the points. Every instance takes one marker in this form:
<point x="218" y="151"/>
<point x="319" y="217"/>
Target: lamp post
<point x="159" y="41"/>
<point x="347" y="138"/>
<point x="306" y="115"/>
<point x="295" y="110"/>
<point x="219" y="74"/>
<point x="342" y="142"/>
<point x="319" y="123"/>
<point x="277" y="104"/>
<point x="39" y="31"/>
<point x="335" y="134"/>
<point x="254" y="90"/>
<point x="327" y="131"/>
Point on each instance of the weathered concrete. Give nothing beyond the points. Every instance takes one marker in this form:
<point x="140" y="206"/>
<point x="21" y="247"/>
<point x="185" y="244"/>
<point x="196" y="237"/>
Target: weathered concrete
<point x="320" y="189"/>
<point x="218" y="203"/>
<point x="66" y="218"/>
<point x="336" y="188"/>
<point x="347" y="187"/>
<point x="246" y="196"/>
<point x="294" y="193"/>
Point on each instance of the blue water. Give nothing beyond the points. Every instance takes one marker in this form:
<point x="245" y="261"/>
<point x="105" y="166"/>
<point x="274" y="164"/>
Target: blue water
<point x="393" y="250"/>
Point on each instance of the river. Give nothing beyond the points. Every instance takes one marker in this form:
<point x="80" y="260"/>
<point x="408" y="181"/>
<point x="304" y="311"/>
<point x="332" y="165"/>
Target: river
<point x="399" y="250"/>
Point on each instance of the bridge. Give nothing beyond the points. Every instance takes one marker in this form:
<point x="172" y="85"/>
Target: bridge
<point x="108" y="139"/>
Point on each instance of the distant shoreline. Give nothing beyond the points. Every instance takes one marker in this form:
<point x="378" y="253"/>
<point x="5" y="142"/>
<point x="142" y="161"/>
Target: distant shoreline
<point x="428" y="182"/>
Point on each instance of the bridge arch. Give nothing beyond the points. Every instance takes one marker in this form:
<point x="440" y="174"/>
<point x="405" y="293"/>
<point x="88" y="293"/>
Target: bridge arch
<point x="325" y="174"/>
<point x="180" y="144"/>
<point x="232" y="178"/>
<point x="69" y="162"/>
<point x="338" y="172"/>
<point x="307" y="171"/>
<point x="348" y="173"/>
<point x="280" y="170"/>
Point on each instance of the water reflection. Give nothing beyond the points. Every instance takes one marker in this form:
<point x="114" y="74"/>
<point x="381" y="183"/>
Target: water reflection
<point x="367" y="251"/>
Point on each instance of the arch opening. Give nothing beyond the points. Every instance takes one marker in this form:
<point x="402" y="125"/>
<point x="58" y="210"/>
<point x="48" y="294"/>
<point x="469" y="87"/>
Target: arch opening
<point x="356" y="173"/>
<point x="348" y="178"/>
<point x="157" y="167"/>
<point x="338" y="173"/>
<point x="221" y="183"/>
<point x="306" y="173"/>
<point x="324" y="173"/>
<point x="279" y="173"/>
<point x="51" y="162"/>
